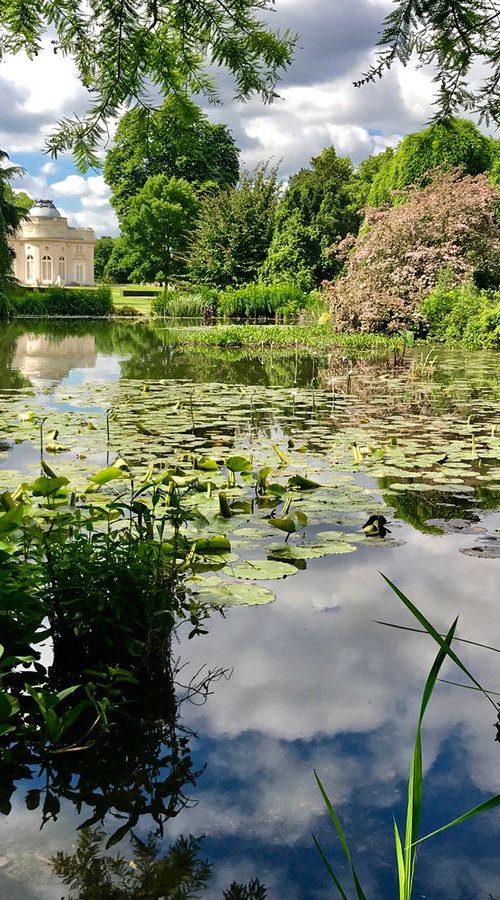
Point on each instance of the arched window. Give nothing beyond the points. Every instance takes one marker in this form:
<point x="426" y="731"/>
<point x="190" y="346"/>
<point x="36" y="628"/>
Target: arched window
<point x="79" y="273"/>
<point x="30" y="268"/>
<point x="62" y="268"/>
<point x="46" y="268"/>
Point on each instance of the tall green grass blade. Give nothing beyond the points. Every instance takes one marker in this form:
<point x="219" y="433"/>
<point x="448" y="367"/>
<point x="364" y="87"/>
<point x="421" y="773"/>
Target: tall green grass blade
<point x="334" y="878"/>
<point x="415" y="783"/>
<point x="400" y="861"/>
<point x="483" y="807"/>
<point x="424" y="631"/>
<point x="435" y="634"/>
<point x="469" y="687"/>
<point x="338" y="828"/>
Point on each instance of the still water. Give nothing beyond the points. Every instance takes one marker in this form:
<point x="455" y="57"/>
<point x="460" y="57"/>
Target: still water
<point x="311" y="681"/>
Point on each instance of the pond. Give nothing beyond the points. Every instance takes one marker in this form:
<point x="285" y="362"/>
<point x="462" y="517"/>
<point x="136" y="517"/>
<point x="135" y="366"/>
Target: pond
<point x="312" y="680"/>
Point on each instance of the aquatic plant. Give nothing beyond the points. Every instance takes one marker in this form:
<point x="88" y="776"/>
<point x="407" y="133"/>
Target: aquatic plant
<point x="406" y="849"/>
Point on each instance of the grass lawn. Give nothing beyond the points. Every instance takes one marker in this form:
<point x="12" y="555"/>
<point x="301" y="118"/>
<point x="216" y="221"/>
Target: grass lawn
<point x="141" y="304"/>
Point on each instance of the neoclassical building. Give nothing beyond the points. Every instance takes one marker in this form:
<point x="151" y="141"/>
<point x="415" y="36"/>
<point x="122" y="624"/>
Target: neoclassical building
<point x="49" y="251"/>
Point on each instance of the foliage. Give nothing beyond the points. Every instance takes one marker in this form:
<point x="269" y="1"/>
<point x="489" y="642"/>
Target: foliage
<point x="118" y="269"/>
<point x="462" y="313"/>
<point x="317" y="209"/>
<point x="455" y="37"/>
<point x="260" y="300"/>
<point x="234" y="231"/>
<point x="178" y="874"/>
<point x="448" y="144"/>
<point x="55" y="301"/>
<point x="396" y="261"/>
<point x="176" y="140"/>
<point x="406" y="851"/>
<point x="320" y="337"/>
<point x="103" y="248"/>
<point x="157" y="227"/>
<point x="184" y="303"/>
<point x="368" y="173"/>
<point x="11" y="216"/>
<point x="119" y="52"/>
<point x="5" y="307"/>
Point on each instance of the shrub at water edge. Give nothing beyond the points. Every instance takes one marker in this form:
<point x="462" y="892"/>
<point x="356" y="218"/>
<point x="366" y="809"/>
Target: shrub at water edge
<point x="56" y="301"/>
<point x="463" y="313"/>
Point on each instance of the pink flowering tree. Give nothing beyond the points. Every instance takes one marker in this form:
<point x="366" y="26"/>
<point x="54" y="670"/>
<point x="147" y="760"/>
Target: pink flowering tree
<point x="450" y="225"/>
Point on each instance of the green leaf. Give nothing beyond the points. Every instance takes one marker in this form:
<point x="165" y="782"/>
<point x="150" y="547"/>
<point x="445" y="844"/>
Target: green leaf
<point x="47" y="487"/>
<point x="239" y="464"/>
<point x="234" y="594"/>
<point x="302" y="484"/>
<point x="12" y="519"/>
<point x="111" y="473"/>
<point x="216" y="543"/>
<point x="290" y="524"/>
<point x="262" y="569"/>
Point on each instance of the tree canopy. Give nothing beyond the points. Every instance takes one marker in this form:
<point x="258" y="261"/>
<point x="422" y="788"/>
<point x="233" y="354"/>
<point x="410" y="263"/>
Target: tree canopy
<point x="447" y="144"/>
<point x="157" y="227"/>
<point x="453" y="36"/>
<point x="121" y="49"/>
<point x="316" y="210"/>
<point x="234" y="231"/>
<point x="176" y="140"/>
<point x="103" y="249"/>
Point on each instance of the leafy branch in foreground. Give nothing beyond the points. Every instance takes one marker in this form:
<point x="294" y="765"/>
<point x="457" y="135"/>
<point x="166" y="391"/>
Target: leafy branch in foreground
<point x="406" y="853"/>
<point x="122" y="49"/>
<point x="453" y="36"/>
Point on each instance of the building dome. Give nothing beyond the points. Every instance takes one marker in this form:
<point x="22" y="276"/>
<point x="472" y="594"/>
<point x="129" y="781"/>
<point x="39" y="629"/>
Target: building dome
<point x="45" y="209"/>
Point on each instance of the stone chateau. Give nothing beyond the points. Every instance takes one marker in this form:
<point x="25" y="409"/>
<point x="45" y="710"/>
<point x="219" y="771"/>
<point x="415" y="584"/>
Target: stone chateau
<point x="49" y="251"/>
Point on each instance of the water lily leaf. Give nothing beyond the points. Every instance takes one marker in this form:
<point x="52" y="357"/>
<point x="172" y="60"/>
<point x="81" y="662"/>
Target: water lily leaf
<point x="106" y="475"/>
<point x="206" y="464"/>
<point x="262" y="569"/>
<point x="302" y="484"/>
<point x="235" y="594"/>
<point x="217" y="543"/>
<point x="290" y="524"/>
<point x="239" y="464"/>
<point x="47" y="487"/>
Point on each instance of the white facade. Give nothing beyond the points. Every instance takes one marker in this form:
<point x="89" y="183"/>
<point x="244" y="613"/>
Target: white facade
<point x="49" y="251"/>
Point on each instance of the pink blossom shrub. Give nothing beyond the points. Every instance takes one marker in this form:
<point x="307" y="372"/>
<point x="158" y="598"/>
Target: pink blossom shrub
<point x="401" y="251"/>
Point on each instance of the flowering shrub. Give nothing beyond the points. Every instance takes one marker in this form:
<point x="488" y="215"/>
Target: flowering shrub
<point x="401" y="251"/>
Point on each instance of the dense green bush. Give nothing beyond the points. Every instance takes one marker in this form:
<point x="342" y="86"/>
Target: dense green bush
<point x="261" y="300"/>
<point x="463" y="313"/>
<point x="5" y="307"/>
<point x="56" y="301"/>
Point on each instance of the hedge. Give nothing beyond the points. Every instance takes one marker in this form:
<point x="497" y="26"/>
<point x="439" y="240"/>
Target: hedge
<point x="56" y="301"/>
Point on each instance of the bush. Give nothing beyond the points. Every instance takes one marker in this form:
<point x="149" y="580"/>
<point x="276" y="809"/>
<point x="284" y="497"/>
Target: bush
<point x="56" y="301"/>
<point x="399" y="256"/>
<point x="463" y="313"/>
<point x="261" y="300"/>
<point x="5" y="307"/>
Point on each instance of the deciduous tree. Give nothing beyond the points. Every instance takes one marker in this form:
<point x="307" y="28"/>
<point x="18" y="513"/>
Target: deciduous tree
<point x="157" y="228"/>
<point x="234" y="231"/>
<point x="178" y="141"/>
<point x="316" y="210"/>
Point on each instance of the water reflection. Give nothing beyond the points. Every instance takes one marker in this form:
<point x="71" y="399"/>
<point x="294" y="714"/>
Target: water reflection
<point x="46" y="361"/>
<point x="316" y="684"/>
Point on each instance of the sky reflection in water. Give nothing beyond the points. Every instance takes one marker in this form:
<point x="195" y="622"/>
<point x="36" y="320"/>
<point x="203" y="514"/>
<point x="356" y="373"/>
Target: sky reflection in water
<point x="317" y="684"/>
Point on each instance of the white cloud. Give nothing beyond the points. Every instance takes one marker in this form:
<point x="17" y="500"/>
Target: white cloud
<point x="49" y="168"/>
<point x="93" y="193"/>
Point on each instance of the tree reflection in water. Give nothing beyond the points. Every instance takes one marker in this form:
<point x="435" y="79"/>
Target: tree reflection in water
<point x="179" y="874"/>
